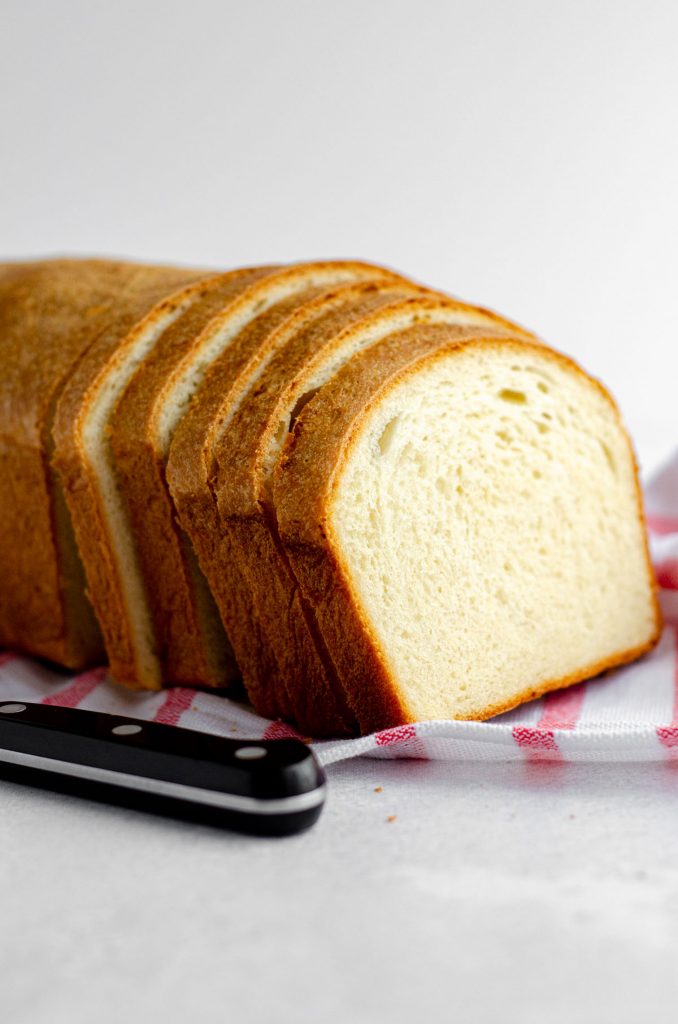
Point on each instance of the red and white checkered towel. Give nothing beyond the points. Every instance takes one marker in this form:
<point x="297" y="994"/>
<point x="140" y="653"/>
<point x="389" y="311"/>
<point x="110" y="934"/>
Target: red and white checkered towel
<point x="628" y="715"/>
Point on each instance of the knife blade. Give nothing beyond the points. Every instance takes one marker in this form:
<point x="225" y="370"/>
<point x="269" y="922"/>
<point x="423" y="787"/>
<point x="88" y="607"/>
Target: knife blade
<point x="273" y="787"/>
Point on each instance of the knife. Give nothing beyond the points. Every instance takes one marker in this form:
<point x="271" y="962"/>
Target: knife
<point x="273" y="787"/>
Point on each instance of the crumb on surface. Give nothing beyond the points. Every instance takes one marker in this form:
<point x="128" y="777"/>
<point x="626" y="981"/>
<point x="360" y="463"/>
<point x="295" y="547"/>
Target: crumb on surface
<point x="378" y="789"/>
<point x="391" y="817"/>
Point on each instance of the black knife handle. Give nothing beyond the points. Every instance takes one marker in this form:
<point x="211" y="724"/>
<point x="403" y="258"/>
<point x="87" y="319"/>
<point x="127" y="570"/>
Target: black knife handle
<point x="273" y="787"/>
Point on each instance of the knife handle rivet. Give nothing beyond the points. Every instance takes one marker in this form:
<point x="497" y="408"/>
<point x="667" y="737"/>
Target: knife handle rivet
<point x="12" y="709"/>
<point x="126" y="730"/>
<point x="251" y="753"/>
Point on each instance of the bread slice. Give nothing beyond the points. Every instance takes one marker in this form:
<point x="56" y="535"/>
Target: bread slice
<point x="51" y="313"/>
<point x="244" y="457"/>
<point x="240" y="342"/>
<point x="465" y="521"/>
<point x="187" y="641"/>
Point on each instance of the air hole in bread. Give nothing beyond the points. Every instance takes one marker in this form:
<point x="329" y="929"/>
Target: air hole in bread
<point x="511" y="395"/>
<point x="609" y="457"/>
<point x="282" y="429"/>
<point x="537" y="371"/>
<point x="301" y="402"/>
<point x="386" y="437"/>
<point x="422" y="463"/>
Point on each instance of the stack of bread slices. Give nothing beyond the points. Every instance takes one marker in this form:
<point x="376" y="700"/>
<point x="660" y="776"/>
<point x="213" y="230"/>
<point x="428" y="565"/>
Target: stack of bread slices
<point x="370" y="502"/>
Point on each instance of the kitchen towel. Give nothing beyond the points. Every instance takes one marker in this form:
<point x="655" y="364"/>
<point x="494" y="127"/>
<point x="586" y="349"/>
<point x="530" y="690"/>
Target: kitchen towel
<point x="630" y="714"/>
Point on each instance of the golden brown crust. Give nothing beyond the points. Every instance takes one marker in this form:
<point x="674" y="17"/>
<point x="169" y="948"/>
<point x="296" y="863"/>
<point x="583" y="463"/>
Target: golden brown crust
<point x="51" y="312"/>
<point x="145" y="295"/>
<point x="594" y="669"/>
<point x="178" y="625"/>
<point x="33" y="611"/>
<point x="188" y="477"/>
<point x="320" y="443"/>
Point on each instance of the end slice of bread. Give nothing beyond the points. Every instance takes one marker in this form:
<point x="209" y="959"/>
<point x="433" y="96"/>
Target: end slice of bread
<point x="466" y="524"/>
<point x="52" y="314"/>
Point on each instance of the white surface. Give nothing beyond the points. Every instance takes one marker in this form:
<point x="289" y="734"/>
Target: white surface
<point x="497" y="894"/>
<point x="522" y="155"/>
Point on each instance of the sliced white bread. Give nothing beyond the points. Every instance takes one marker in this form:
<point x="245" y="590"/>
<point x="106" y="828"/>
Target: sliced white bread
<point x="85" y="422"/>
<point x="312" y="324"/>
<point x="465" y="522"/>
<point x="240" y="346"/>
<point x="245" y="453"/>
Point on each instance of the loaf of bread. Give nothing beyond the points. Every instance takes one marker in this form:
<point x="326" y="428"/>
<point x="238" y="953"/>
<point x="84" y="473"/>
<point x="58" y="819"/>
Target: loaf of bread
<point x="375" y="503"/>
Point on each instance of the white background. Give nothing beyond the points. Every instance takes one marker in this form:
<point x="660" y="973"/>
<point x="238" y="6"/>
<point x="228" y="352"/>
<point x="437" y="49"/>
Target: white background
<point x="520" y="154"/>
